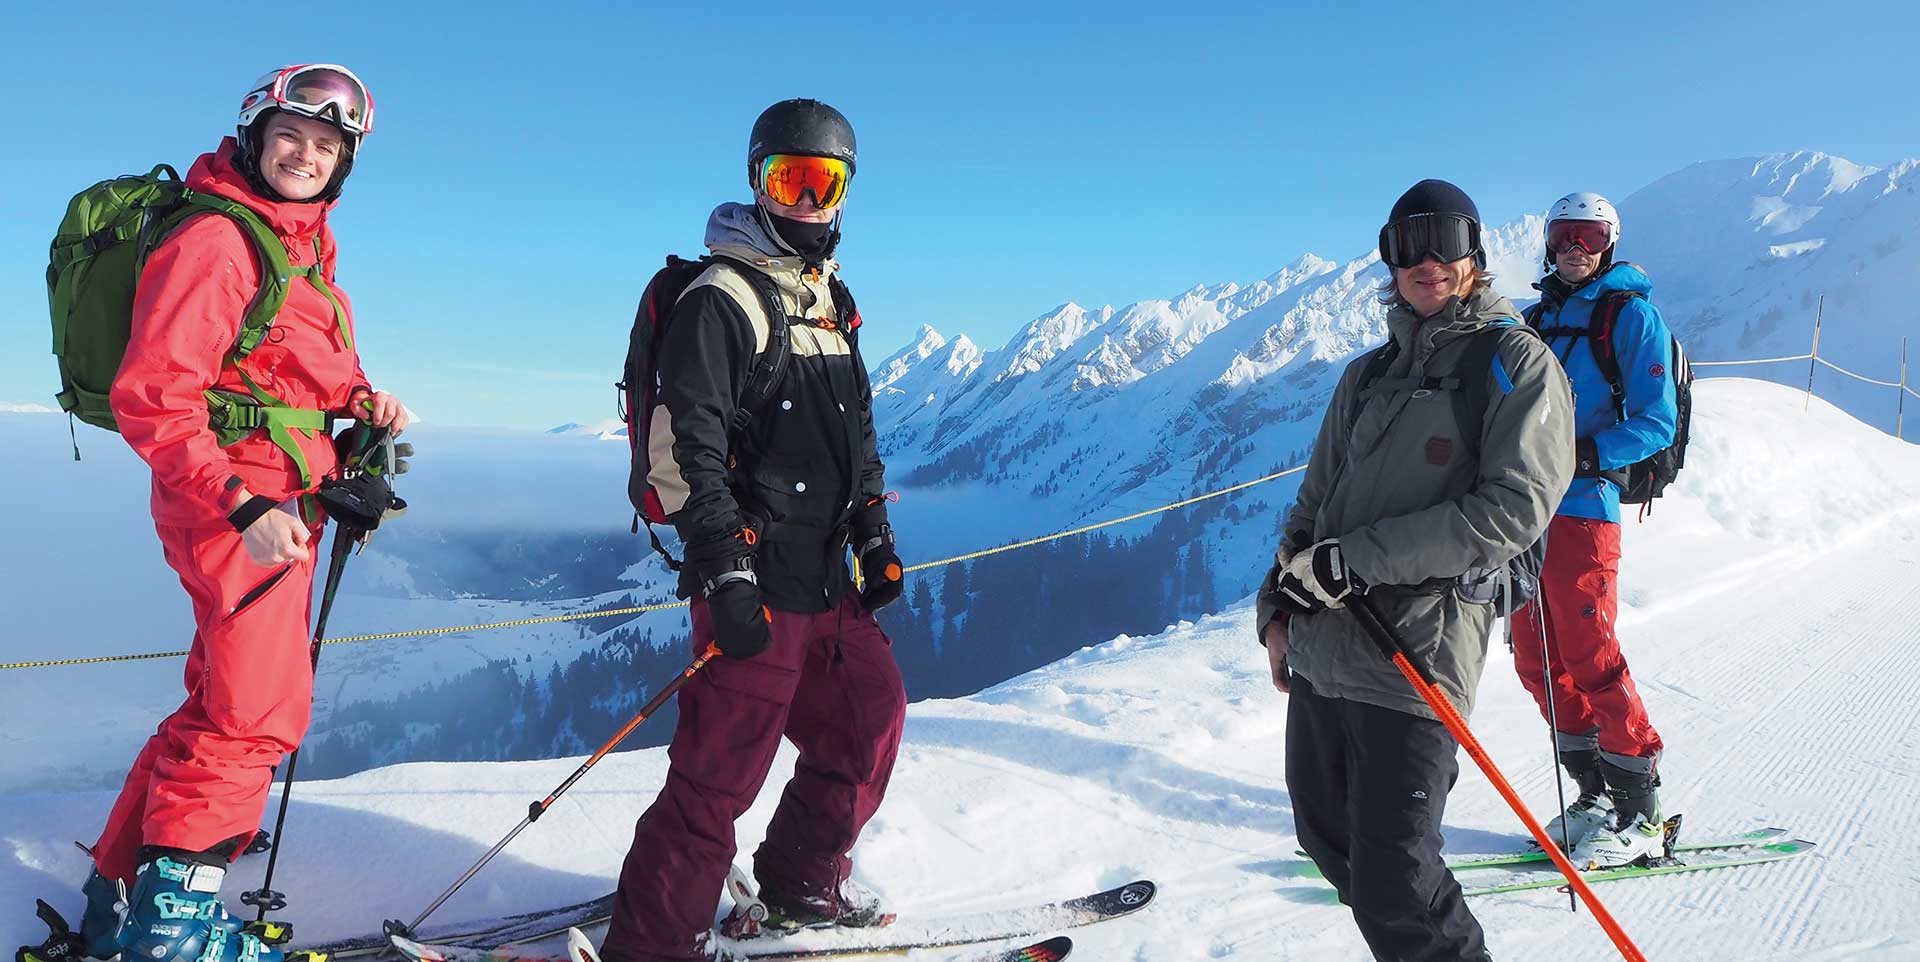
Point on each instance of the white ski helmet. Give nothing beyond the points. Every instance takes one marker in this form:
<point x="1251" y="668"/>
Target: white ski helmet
<point x="320" y="91"/>
<point x="1586" y="205"/>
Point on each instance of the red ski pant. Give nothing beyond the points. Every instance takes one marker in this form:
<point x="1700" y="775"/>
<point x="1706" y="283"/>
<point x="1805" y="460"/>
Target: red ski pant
<point x="829" y="683"/>
<point x="1592" y="690"/>
<point x="203" y="777"/>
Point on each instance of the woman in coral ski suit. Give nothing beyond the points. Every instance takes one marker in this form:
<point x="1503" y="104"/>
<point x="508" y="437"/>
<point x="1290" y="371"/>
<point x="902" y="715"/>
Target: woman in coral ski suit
<point x="237" y="523"/>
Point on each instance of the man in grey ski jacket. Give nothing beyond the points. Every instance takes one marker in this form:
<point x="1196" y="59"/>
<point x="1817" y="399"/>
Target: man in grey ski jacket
<point x="1413" y="509"/>
<point x="1442" y="455"/>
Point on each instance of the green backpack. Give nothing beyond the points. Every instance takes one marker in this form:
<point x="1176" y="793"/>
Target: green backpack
<point x="93" y="268"/>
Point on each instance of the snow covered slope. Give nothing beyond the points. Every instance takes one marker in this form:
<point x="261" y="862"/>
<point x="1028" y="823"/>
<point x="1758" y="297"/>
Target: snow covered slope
<point x="1768" y="617"/>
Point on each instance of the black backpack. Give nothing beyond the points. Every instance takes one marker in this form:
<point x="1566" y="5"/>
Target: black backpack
<point x="639" y="384"/>
<point x="1646" y="480"/>
<point x="1466" y="386"/>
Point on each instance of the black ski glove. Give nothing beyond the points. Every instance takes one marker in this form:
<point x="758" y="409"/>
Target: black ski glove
<point x="741" y="623"/>
<point x="724" y="567"/>
<point x="359" y="502"/>
<point x="1586" y="459"/>
<point x="880" y="565"/>
<point x="361" y="495"/>
<point x="1282" y="592"/>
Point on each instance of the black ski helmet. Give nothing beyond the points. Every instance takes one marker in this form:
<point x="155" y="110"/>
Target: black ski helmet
<point x="799" y="127"/>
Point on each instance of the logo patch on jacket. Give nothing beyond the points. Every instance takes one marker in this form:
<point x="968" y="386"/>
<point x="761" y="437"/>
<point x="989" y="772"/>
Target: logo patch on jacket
<point x="1439" y="450"/>
<point x="1658" y="370"/>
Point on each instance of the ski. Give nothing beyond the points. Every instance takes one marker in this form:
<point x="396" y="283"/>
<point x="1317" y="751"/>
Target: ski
<point x="1533" y="857"/>
<point x="1509" y="860"/>
<point x="579" y="950"/>
<point x="979" y="927"/>
<point x="525" y="927"/>
<point x="1699" y="861"/>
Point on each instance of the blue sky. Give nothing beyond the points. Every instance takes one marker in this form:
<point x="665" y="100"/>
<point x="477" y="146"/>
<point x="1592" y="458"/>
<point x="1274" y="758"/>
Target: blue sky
<point x="532" y="163"/>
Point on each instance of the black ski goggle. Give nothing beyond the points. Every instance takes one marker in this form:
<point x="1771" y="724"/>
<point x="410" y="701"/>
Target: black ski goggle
<point x="1444" y="237"/>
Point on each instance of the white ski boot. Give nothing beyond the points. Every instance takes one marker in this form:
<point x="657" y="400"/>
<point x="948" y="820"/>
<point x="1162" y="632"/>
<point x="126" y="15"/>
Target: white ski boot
<point x="1587" y="815"/>
<point x="1642" y="841"/>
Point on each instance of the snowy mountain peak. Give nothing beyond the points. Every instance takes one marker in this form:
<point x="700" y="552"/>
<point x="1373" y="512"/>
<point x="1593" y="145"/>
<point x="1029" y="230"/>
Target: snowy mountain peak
<point x="963" y="356"/>
<point x="1048" y="335"/>
<point x="927" y="343"/>
<point x="610" y="429"/>
<point x="1810" y="173"/>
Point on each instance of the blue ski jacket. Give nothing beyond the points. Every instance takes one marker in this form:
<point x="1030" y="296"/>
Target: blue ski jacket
<point x="1644" y="422"/>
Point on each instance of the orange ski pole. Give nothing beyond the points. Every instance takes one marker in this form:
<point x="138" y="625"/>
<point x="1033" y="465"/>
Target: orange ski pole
<point x="1396" y="651"/>
<point x="540" y="807"/>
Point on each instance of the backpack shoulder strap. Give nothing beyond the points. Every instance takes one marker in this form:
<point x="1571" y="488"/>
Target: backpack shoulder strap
<point x="1606" y="314"/>
<point x="276" y="270"/>
<point x="770" y="367"/>
<point x="1373" y="368"/>
<point x="846" y="314"/>
<point x="1479" y="364"/>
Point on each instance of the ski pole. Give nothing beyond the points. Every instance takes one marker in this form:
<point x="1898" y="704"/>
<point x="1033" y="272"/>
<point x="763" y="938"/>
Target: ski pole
<point x="265" y="898"/>
<point x="1396" y="651"/>
<point x="539" y="808"/>
<point x="1539" y="607"/>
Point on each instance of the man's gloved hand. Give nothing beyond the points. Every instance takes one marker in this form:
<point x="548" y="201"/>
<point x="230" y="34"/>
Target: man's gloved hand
<point x="1323" y="575"/>
<point x="741" y="623"/>
<point x="724" y="567"/>
<point x="1281" y="596"/>
<point x="1586" y="459"/>
<point x="880" y="565"/>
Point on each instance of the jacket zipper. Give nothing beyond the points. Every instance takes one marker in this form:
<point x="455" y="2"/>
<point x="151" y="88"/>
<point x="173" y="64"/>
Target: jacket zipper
<point x="258" y="591"/>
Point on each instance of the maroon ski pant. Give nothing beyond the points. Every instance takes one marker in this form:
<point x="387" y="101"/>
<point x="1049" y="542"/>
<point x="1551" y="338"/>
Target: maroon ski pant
<point x="829" y="683"/>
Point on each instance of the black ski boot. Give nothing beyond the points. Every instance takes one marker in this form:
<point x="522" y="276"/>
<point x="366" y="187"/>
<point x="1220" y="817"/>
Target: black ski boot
<point x="1593" y="810"/>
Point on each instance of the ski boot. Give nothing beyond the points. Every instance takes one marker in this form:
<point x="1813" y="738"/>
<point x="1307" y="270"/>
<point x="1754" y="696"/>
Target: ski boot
<point x="1586" y="817"/>
<point x="1643" y="841"/>
<point x="1637" y="835"/>
<point x="1593" y="810"/>
<point x="852" y="905"/>
<point x="106" y="913"/>
<point x="175" y="915"/>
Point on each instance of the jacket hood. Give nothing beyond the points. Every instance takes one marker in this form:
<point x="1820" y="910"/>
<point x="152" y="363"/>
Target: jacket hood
<point x="1622" y="276"/>
<point x="736" y="231"/>
<point x="218" y="173"/>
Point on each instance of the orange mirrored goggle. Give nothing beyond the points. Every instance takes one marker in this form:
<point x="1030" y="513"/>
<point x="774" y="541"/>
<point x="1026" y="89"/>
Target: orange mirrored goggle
<point x="788" y="177"/>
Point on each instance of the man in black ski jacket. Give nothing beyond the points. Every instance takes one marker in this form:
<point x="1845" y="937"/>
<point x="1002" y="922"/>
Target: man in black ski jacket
<point x="768" y="506"/>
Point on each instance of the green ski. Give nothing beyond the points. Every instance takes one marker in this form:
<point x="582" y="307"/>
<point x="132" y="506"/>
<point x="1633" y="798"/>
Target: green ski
<point x="1710" y="859"/>
<point x="1521" y="860"/>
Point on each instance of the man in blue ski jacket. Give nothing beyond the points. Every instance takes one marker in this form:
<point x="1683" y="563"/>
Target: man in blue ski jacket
<point x="1591" y="305"/>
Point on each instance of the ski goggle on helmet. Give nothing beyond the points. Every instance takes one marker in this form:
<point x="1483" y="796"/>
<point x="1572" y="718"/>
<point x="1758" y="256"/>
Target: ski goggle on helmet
<point x="786" y="178"/>
<point x="1592" y="236"/>
<point x="321" y="91"/>
<point x="1445" y="237"/>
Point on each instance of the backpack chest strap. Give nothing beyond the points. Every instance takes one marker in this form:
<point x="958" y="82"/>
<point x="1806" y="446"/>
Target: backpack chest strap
<point x="1388" y="385"/>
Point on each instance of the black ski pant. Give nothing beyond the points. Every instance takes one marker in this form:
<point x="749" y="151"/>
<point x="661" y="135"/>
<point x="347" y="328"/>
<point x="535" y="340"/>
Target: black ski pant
<point x="1369" y="785"/>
